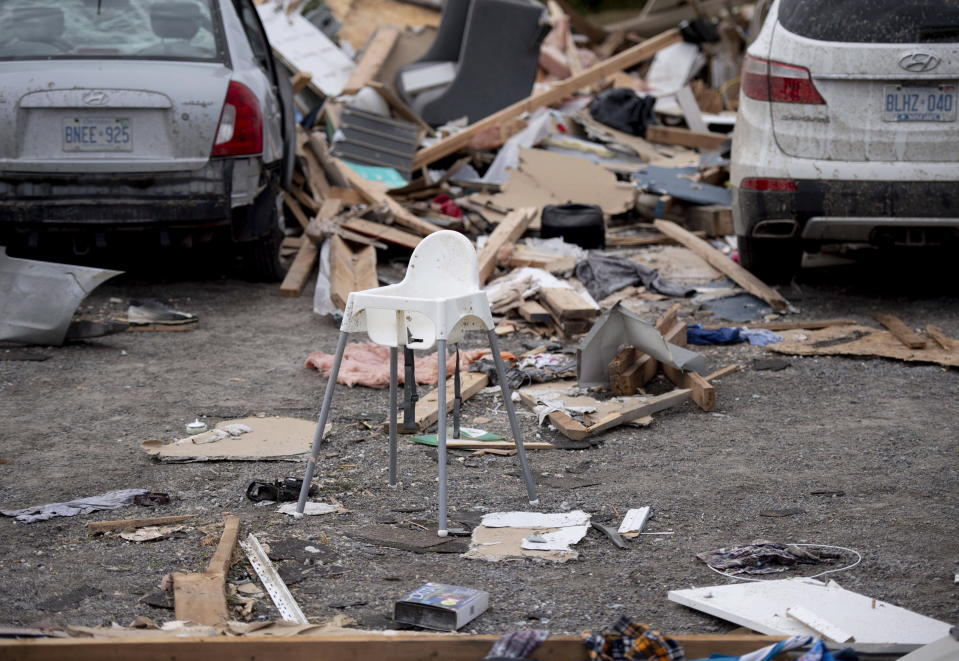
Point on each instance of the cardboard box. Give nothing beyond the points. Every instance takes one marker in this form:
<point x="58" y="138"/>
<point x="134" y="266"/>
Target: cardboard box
<point x="440" y="607"/>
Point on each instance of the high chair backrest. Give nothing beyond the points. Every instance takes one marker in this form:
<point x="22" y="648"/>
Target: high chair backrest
<point x="444" y="264"/>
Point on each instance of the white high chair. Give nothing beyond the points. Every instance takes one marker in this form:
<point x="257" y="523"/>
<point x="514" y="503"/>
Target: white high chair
<point x="438" y="300"/>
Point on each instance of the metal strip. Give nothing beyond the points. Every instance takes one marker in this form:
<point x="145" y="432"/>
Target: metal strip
<point x="275" y="587"/>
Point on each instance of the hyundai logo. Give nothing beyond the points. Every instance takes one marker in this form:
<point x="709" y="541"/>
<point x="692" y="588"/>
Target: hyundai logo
<point x="95" y="98"/>
<point x="919" y="62"/>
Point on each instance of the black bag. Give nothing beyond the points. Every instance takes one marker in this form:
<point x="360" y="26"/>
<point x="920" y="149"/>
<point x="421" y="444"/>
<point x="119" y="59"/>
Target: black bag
<point x="624" y="110"/>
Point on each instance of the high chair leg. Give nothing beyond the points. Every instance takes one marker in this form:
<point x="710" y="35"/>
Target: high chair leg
<point x="324" y="414"/>
<point x="513" y="422"/>
<point x="393" y="379"/>
<point x="441" y="431"/>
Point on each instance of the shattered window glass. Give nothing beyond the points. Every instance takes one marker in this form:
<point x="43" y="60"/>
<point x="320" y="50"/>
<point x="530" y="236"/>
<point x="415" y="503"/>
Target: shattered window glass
<point x="873" y="21"/>
<point x="147" y="29"/>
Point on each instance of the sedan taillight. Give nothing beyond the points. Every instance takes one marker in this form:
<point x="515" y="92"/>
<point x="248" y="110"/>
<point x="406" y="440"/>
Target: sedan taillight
<point x="765" y="80"/>
<point x="240" y="132"/>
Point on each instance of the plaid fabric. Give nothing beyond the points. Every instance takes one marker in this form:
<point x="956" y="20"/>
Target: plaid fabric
<point x="517" y="644"/>
<point x="629" y="640"/>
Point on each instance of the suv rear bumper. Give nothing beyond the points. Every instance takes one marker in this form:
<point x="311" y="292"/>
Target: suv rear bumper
<point x="900" y="212"/>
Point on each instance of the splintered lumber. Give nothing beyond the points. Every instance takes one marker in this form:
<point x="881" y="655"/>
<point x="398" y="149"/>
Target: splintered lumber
<point x="506" y="233"/>
<point x="384" y="233"/>
<point x="567" y="426"/>
<point x="350" y="270"/>
<point x="132" y="524"/>
<point x="722" y="263"/>
<point x="371" y="192"/>
<point x="649" y="240"/>
<point x="566" y="304"/>
<point x="902" y="332"/>
<point x="300" y="270"/>
<point x="376" y="53"/>
<point x="347" y="644"/>
<point x="428" y="406"/>
<point x="201" y="598"/>
<point x="673" y="135"/>
<point x="534" y="313"/>
<point x="701" y="391"/>
<point x="940" y="338"/>
<point x="299" y="80"/>
<point x="652" y="405"/>
<point x="628" y="58"/>
<point x="295" y="209"/>
<point x="623" y="371"/>
<point x="809" y="324"/>
<point x="645" y="367"/>
<point x="316" y="230"/>
<point x="541" y="260"/>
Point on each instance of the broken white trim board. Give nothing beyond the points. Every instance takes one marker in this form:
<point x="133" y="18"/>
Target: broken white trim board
<point x="268" y="439"/>
<point x="435" y="74"/>
<point x="876" y="626"/>
<point x="312" y="508"/>
<point x="305" y="48"/>
<point x="821" y="626"/>
<point x="634" y="521"/>
<point x="535" y="519"/>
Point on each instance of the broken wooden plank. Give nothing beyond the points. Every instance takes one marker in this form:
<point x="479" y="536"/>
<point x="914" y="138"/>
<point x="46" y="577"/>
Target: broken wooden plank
<point x="566" y="304"/>
<point x="622" y="372"/>
<point x="902" y="332"/>
<point x="350" y="270"/>
<point x="201" y="598"/>
<point x="308" y="203"/>
<point x="345" y="644"/>
<point x="95" y="527"/>
<point x="809" y="324"/>
<point x="649" y="240"/>
<point x="296" y="210"/>
<point x="940" y="338"/>
<point x="371" y="192"/>
<point x="428" y="408"/>
<point x="377" y="51"/>
<point x="317" y="230"/>
<point x="674" y="135"/>
<point x="654" y="404"/>
<point x="316" y="144"/>
<point x="594" y="74"/>
<point x="299" y="80"/>
<point x="300" y="270"/>
<point x="506" y="233"/>
<point x="542" y="260"/>
<point x="223" y="556"/>
<point x="701" y="391"/>
<point x="722" y="263"/>
<point x="567" y="426"/>
<point x="384" y="233"/>
<point x="534" y="313"/>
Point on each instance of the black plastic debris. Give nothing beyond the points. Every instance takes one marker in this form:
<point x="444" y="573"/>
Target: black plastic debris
<point x="279" y="491"/>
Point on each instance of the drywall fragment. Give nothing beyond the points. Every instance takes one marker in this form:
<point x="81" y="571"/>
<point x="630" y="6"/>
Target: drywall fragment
<point x="878" y="627"/>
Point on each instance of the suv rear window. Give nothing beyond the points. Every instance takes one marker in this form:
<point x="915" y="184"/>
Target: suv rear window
<point x="873" y="21"/>
<point x="128" y="29"/>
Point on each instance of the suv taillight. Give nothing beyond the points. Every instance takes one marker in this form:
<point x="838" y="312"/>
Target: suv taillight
<point x="763" y="184"/>
<point x="765" y="80"/>
<point x="240" y="131"/>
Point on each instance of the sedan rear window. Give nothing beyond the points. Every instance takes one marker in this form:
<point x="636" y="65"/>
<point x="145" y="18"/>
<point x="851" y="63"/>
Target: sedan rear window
<point x="873" y="21"/>
<point x="128" y="29"/>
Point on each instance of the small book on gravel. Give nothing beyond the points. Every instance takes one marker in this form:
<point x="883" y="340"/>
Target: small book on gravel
<point x="440" y="607"/>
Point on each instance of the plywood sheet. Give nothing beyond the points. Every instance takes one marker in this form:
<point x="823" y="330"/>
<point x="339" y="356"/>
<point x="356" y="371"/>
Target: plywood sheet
<point x="860" y="341"/>
<point x="361" y="18"/>
<point x="546" y="177"/>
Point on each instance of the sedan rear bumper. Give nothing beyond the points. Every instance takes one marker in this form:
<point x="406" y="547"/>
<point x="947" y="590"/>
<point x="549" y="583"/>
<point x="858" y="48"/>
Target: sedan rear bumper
<point x="195" y="198"/>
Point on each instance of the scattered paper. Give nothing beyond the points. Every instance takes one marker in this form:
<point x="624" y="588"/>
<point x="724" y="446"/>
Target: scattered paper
<point x="150" y="533"/>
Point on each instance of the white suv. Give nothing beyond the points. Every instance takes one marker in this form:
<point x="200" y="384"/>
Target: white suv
<point x="847" y="129"/>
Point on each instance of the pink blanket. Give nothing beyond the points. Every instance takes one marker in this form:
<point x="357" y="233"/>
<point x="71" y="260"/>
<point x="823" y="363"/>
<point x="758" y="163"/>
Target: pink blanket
<point x="368" y="364"/>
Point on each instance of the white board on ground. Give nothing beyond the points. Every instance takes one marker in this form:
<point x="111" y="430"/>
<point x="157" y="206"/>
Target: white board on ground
<point x="876" y="626"/>
<point x="535" y="519"/>
<point x="555" y="540"/>
<point x="820" y="625"/>
<point x="304" y="48"/>
<point x="634" y="521"/>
